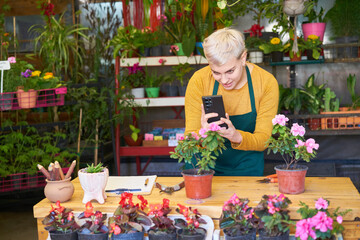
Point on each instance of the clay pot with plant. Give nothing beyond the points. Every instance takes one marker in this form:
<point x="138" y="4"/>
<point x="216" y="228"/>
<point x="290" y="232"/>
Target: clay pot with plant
<point x="292" y="146"/>
<point x="134" y="139"/>
<point x="93" y="180"/>
<point x="199" y="151"/>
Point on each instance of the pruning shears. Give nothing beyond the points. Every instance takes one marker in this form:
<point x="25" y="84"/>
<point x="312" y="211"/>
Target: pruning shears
<point x="269" y="179"/>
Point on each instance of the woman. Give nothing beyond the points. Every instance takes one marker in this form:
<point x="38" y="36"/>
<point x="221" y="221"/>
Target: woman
<point x="250" y="95"/>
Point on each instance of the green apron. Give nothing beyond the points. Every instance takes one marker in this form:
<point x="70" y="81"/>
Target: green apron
<point x="234" y="162"/>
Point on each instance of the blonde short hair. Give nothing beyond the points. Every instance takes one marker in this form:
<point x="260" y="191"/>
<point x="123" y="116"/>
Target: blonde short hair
<point x="224" y="44"/>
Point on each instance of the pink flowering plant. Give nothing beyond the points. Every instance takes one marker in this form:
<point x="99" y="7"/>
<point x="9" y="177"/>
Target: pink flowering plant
<point x="190" y="225"/>
<point x="60" y="219"/>
<point x="274" y="214"/>
<point x="319" y="223"/>
<point x="237" y="217"/>
<point x="205" y="146"/>
<point x="290" y="142"/>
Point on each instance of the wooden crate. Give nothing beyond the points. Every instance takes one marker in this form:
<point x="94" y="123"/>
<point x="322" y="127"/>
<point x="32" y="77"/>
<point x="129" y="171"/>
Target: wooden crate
<point x="350" y="122"/>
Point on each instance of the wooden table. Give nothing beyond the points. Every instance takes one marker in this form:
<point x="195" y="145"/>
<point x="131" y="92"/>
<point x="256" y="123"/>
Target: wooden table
<point x="339" y="191"/>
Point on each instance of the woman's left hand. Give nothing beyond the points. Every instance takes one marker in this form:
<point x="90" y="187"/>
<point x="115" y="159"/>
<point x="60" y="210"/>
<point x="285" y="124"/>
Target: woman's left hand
<point x="230" y="133"/>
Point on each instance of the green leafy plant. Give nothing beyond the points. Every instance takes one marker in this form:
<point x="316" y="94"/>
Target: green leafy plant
<point x="273" y="45"/>
<point x="128" y="217"/>
<point x="237" y="216"/>
<point x="95" y="222"/>
<point x="134" y="132"/>
<point x="60" y="219"/>
<point x="205" y="147"/>
<point x="331" y="102"/>
<point x="290" y="143"/>
<point x="94" y="168"/>
<point x="13" y="77"/>
<point x="313" y="43"/>
<point x="314" y="93"/>
<point x="179" y="71"/>
<point x="135" y="76"/>
<point x="351" y="83"/>
<point x="319" y="223"/>
<point x="291" y="99"/>
<point x="274" y="214"/>
<point x="23" y="147"/>
<point x="153" y="79"/>
<point x="313" y="13"/>
<point x="126" y="42"/>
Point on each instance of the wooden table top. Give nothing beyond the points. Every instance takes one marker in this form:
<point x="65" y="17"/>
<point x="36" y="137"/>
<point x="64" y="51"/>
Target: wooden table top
<point x="338" y="190"/>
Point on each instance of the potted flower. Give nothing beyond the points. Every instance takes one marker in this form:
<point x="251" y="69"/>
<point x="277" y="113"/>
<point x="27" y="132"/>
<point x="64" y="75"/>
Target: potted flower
<point x="152" y="83"/>
<point x="274" y="216"/>
<point x="312" y="47"/>
<point x="128" y="218"/>
<point x="288" y="47"/>
<point x="238" y="219"/>
<point x="275" y="47"/>
<point x="253" y="42"/>
<point x="94" y="227"/>
<point x="163" y="227"/>
<point x="203" y="148"/>
<point x="179" y="72"/>
<point x="292" y="146"/>
<point x="93" y="181"/>
<point x="190" y="226"/>
<point x="60" y="223"/>
<point x="134" y="139"/>
<point x="319" y="223"/>
<point x="135" y="80"/>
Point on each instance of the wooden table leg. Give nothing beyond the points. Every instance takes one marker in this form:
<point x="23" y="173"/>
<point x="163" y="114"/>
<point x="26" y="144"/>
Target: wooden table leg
<point x="42" y="233"/>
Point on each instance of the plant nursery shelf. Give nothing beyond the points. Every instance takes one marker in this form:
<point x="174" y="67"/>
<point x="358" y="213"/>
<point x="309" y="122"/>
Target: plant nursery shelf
<point x="287" y="63"/>
<point x="167" y="61"/>
<point x="146" y="151"/>
<point x="160" y="102"/>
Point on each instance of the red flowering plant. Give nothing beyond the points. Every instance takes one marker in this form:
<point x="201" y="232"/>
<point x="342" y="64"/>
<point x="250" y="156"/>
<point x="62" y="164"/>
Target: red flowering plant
<point x="95" y="221"/>
<point x="191" y="224"/>
<point x="237" y="217"/>
<point x="159" y="216"/>
<point x="135" y="76"/>
<point x="274" y="215"/>
<point x="60" y="219"/>
<point x="319" y="223"/>
<point x="254" y="40"/>
<point x="128" y="217"/>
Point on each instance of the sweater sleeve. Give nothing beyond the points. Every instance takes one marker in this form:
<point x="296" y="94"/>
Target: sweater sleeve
<point x="268" y="106"/>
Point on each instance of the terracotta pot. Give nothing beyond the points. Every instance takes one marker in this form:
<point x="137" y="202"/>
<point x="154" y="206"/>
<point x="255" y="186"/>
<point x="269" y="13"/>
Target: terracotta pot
<point x="295" y="58"/>
<point x="314" y="123"/>
<point x="93" y="185"/>
<point x="27" y="99"/>
<point x="129" y="141"/>
<point x="197" y="186"/>
<point x="291" y="181"/>
<point x="59" y="190"/>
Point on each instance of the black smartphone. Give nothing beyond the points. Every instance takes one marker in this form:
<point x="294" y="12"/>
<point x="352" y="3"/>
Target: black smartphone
<point x="214" y="104"/>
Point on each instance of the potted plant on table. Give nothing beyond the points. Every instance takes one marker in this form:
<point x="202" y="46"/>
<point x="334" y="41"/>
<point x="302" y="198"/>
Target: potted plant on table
<point x="319" y="223"/>
<point x="164" y="227"/>
<point x="94" y="227"/>
<point x="238" y="220"/>
<point x="203" y="148"/>
<point x="128" y="218"/>
<point x="292" y="146"/>
<point x="60" y="223"/>
<point x="93" y="181"/>
<point x="189" y="226"/>
<point x="274" y="217"/>
<point x="275" y="47"/>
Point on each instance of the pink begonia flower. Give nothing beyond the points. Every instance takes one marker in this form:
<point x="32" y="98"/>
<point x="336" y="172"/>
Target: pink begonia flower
<point x="161" y="61"/>
<point x="297" y="130"/>
<point x="202" y="132"/>
<point x="339" y="219"/>
<point x="322" y="222"/>
<point x="304" y="229"/>
<point x="12" y="59"/>
<point x="214" y="127"/>
<point x="174" y="48"/>
<point x="321" y="204"/>
<point x="195" y="135"/>
<point x="299" y="143"/>
<point x="310" y="145"/>
<point x="280" y="119"/>
<point x="250" y="215"/>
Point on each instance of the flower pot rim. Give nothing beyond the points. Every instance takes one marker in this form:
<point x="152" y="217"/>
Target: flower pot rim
<point x="187" y="172"/>
<point x="82" y="171"/>
<point x="300" y="167"/>
<point x="57" y="181"/>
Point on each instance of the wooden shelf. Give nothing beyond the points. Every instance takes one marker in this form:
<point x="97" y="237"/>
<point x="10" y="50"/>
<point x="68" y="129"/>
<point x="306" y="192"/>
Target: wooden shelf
<point x="169" y="61"/>
<point x="146" y="151"/>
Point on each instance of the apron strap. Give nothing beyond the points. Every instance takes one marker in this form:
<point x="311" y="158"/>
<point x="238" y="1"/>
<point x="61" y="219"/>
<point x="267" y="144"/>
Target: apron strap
<point x="251" y="90"/>
<point x="216" y="87"/>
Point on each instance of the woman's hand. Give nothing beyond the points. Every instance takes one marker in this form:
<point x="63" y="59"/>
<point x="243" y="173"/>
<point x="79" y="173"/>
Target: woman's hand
<point x="231" y="133"/>
<point x="205" y="118"/>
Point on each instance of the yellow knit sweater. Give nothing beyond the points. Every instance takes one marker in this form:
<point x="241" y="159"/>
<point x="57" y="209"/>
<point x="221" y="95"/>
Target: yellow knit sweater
<point x="237" y="102"/>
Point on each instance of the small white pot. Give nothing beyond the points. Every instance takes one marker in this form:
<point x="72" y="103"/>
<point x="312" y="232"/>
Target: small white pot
<point x="94" y="185"/>
<point x="138" y="92"/>
<point x="256" y="57"/>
